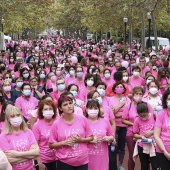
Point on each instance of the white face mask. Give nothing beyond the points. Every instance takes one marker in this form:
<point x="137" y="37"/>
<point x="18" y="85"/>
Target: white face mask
<point x="148" y="81"/>
<point x="153" y="90"/>
<point x="168" y="103"/>
<point x="16" y="121"/>
<point x="92" y="113"/>
<point x="135" y="74"/>
<point x="48" y="114"/>
<point x="90" y="82"/>
<point x="125" y="79"/>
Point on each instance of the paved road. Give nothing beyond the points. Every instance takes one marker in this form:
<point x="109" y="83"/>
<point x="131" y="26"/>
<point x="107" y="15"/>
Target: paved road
<point x="125" y="163"/>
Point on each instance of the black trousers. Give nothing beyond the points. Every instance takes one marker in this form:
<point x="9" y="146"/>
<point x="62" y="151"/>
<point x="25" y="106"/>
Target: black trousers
<point x="112" y="159"/>
<point x="50" y="166"/>
<point x="164" y="163"/>
<point x="145" y="159"/>
<point x="64" y="166"/>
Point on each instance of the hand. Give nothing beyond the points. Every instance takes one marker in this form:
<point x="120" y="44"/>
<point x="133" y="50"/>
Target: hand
<point x="68" y="142"/>
<point x="167" y="155"/>
<point x="143" y="137"/>
<point x="114" y="142"/>
<point x="12" y="153"/>
<point x="77" y="138"/>
<point x="108" y="139"/>
<point x="148" y="134"/>
<point x="122" y="103"/>
<point x="97" y="139"/>
<point x="42" y="167"/>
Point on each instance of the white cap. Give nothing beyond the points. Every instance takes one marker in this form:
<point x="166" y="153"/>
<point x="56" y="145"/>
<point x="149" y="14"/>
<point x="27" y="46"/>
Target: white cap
<point x="152" y="53"/>
<point x="4" y="164"/>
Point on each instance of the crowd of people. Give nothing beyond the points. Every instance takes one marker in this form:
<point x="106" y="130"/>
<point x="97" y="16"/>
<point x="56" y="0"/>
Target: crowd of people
<point x="69" y="104"/>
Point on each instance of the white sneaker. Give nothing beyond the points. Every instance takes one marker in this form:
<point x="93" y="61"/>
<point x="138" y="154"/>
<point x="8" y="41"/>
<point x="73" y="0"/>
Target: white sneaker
<point x="120" y="167"/>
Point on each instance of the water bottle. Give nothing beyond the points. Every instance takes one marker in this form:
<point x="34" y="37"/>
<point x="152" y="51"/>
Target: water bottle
<point x="147" y="141"/>
<point x="112" y="147"/>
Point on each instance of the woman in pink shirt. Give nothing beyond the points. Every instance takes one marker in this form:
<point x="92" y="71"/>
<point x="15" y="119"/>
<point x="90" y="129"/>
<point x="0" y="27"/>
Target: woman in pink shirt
<point x="11" y="63"/>
<point x="79" y="79"/>
<point x="24" y="72"/>
<point x="143" y="129"/>
<point x="128" y="117"/>
<point x="89" y="82"/>
<point x="71" y="78"/>
<point x="26" y="102"/>
<point x="107" y="79"/>
<point x="103" y="134"/>
<point x="41" y="78"/>
<point x="163" y="80"/>
<point x="51" y="82"/>
<point x="41" y="129"/>
<point x="117" y="103"/>
<point x="162" y="133"/>
<point x="71" y="146"/>
<point x="18" y="142"/>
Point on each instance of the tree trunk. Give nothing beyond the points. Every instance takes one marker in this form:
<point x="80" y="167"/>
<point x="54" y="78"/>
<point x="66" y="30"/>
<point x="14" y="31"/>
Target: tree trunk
<point x="130" y="29"/>
<point x="155" y="31"/>
<point x="142" y="28"/>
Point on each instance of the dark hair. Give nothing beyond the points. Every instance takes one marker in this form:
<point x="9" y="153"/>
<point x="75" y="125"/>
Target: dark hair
<point x="164" y="99"/>
<point x="91" y="93"/>
<point x="71" y="85"/>
<point x="4" y="106"/>
<point x="63" y="98"/>
<point x="106" y="70"/>
<point x="21" y="73"/>
<point x="94" y="69"/>
<point x="136" y="68"/>
<point x="46" y="96"/>
<point x="17" y="65"/>
<point x="93" y="104"/>
<point x="137" y="89"/>
<point x="156" y="83"/>
<point x="116" y="84"/>
<point x="118" y="76"/>
<point x="3" y="96"/>
<point x="101" y="83"/>
<point x="142" y="107"/>
<point x="41" y="106"/>
<point x="25" y="84"/>
<point x="88" y="68"/>
<point x="66" y="93"/>
<point x="88" y="76"/>
<point x="121" y="69"/>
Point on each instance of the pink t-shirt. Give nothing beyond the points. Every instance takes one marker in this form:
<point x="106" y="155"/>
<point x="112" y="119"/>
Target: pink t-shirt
<point x="130" y="114"/>
<point x="70" y="80"/>
<point x="79" y="84"/>
<point x="41" y="132"/>
<point x="98" y="153"/>
<point x="21" y="141"/>
<point x="76" y="154"/>
<point x="26" y="105"/>
<point x="163" y="122"/>
<point x="51" y="85"/>
<point x="143" y="126"/>
<point x="139" y="81"/>
<point x="2" y="127"/>
<point x="114" y="101"/>
<point x="144" y="70"/>
<point x="11" y="66"/>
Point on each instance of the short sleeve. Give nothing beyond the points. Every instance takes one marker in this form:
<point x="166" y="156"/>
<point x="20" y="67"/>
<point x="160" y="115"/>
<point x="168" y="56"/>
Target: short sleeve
<point x="109" y="128"/>
<point x="32" y="139"/>
<point x="4" y="143"/>
<point x="53" y="133"/>
<point x="159" y="119"/>
<point x="36" y="131"/>
<point x="111" y="115"/>
<point x="88" y="131"/>
<point x="136" y="126"/>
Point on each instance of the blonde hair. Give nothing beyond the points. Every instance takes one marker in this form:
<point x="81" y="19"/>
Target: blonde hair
<point x="6" y="82"/>
<point x="11" y="110"/>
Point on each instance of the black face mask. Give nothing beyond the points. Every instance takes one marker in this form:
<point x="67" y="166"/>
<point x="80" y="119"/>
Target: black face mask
<point x="3" y="68"/>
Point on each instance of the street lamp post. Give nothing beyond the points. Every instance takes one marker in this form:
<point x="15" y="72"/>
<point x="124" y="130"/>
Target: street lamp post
<point x="149" y="20"/>
<point x="2" y="24"/>
<point x="125" y="20"/>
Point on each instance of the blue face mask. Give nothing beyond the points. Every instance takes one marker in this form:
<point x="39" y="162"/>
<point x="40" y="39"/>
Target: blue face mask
<point x="50" y="62"/>
<point x="26" y="92"/>
<point x="71" y="72"/>
<point x="74" y="93"/>
<point x="42" y="76"/>
<point x="19" y="84"/>
<point x="107" y="75"/>
<point x="26" y="75"/>
<point x="61" y="87"/>
<point x="41" y="64"/>
<point x="102" y="92"/>
<point x="99" y="99"/>
<point x="80" y="74"/>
